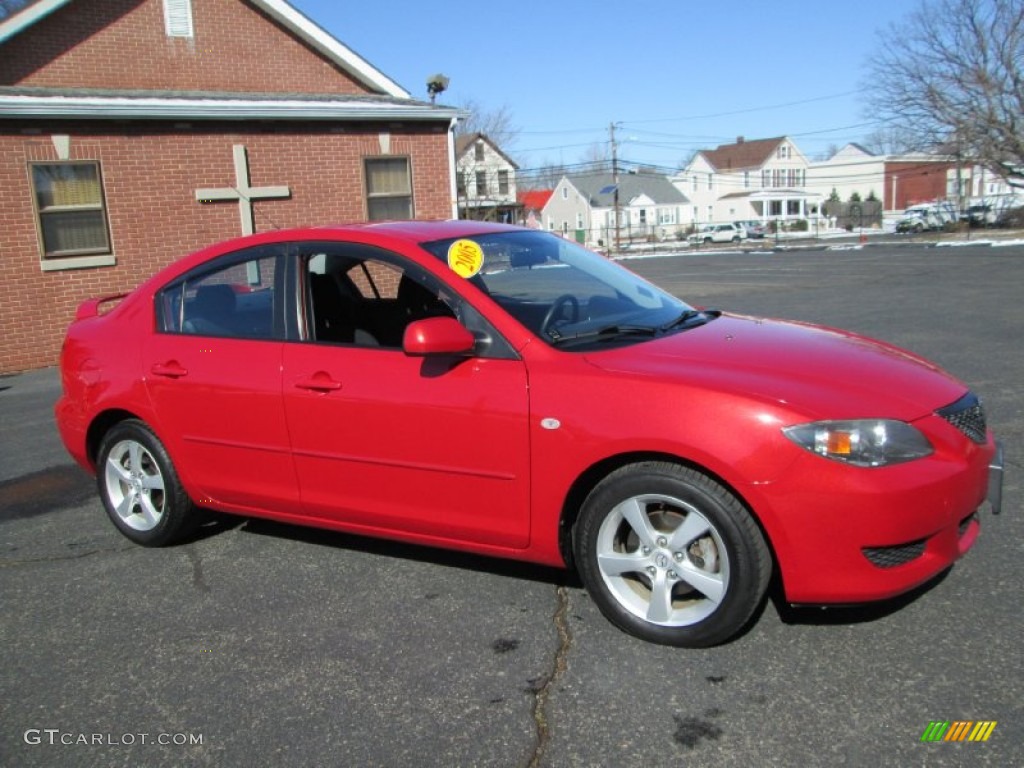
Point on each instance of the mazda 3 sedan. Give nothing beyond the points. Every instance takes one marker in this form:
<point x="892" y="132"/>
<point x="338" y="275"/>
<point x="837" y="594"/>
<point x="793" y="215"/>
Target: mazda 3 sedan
<point x="506" y="392"/>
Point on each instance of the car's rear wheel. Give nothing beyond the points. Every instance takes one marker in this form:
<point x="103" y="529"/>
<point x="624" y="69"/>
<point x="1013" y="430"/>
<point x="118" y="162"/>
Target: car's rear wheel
<point x="140" y="487"/>
<point x="670" y="555"/>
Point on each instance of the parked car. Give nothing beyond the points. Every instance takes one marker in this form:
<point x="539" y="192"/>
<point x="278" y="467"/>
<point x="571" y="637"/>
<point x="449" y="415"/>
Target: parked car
<point x="979" y="216"/>
<point x="921" y="218"/>
<point x="911" y="225"/>
<point x="754" y="229"/>
<point x="719" y="233"/>
<point x="506" y="392"/>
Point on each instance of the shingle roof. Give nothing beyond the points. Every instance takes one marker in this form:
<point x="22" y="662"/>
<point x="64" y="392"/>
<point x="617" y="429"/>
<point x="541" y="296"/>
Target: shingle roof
<point x="599" y="188"/>
<point x="742" y="154"/>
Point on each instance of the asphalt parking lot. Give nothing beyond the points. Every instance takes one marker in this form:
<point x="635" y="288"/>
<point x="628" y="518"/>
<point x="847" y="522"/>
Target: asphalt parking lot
<point x="263" y="644"/>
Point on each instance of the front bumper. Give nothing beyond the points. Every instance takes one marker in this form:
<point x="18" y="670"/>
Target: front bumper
<point x="849" y="535"/>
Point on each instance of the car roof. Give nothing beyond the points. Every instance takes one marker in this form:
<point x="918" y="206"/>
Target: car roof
<point x="425" y="231"/>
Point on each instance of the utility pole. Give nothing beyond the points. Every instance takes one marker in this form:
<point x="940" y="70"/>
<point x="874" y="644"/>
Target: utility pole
<point x="615" y="182"/>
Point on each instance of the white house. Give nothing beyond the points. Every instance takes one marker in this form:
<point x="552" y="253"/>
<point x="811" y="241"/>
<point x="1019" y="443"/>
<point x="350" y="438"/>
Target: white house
<point x="486" y="180"/>
<point x="764" y="179"/>
<point x="979" y="186"/>
<point x="583" y="207"/>
<point x="853" y="169"/>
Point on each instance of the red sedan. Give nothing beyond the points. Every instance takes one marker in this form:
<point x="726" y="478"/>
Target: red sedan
<point x="507" y="392"/>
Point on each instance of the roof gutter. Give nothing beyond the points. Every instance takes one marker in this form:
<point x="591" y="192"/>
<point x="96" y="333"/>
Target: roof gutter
<point x="105" y="108"/>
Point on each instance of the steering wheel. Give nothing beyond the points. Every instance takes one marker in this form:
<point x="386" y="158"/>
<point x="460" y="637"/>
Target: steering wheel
<point x="558" y="310"/>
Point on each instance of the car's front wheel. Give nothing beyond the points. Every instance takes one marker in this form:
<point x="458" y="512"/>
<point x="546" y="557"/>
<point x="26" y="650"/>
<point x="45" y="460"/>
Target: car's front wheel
<point x="140" y="487"/>
<point x="670" y="555"/>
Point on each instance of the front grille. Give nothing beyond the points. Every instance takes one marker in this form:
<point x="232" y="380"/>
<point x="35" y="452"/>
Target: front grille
<point x="967" y="415"/>
<point x="890" y="557"/>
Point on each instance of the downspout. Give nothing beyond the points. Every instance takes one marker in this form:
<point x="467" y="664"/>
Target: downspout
<point x="453" y="191"/>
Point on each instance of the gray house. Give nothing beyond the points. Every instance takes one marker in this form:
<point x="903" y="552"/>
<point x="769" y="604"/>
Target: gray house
<point x="583" y="206"/>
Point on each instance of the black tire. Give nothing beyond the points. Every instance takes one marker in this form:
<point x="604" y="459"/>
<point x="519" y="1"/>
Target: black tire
<point x="643" y="581"/>
<point x="140" y="488"/>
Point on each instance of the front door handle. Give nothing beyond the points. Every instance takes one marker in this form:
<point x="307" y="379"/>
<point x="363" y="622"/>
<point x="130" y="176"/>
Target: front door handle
<point x="172" y="369"/>
<point x="319" y="382"/>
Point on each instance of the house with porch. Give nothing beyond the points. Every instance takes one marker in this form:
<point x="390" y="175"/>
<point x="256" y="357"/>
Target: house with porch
<point x="762" y="179"/>
<point x="133" y="132"/>
<point x="486" y="179"/>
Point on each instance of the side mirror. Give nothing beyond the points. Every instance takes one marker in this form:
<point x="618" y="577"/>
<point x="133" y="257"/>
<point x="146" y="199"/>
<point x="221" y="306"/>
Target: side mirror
<point x="437" y="336"/>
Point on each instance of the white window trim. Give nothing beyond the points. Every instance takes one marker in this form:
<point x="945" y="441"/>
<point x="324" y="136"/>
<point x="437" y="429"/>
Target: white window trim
<point x="77" y="262"/>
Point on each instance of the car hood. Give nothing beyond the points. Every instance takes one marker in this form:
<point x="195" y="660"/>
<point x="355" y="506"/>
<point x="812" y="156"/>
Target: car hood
<point x="819" y="372"/>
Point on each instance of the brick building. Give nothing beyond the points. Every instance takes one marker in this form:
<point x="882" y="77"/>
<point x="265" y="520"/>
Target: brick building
<point x="135" y="131"/>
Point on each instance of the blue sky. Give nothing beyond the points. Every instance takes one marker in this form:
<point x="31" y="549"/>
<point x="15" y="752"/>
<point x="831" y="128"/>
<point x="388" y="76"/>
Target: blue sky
<point x="677" y="75"/>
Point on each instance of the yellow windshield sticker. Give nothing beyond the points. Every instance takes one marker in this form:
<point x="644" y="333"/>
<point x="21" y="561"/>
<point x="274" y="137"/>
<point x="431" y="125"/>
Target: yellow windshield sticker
<point x="465" y="258"/>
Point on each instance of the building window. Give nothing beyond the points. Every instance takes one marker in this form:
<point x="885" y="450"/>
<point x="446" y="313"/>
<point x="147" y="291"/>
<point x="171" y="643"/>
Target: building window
<point x="766" y="178"/>
<point x="695" y="182"/>
<point x="481" y="183"/>
<point x="775" y="208"/>
<point x="388" y="189"/>
<point x="793" y="207"/>
<point x="478" y="151"/>
<point x="178" y="18"/>
<point x="565" y="193"/>
<point x="783" y="151"/>
<point x="711" y="181"/>
<point x="503" y="182"/>
<point x="70" y="209"/>
<point x="579" y="220"/>
<point x="746" y="179"/>
<point x="461" y="181"/>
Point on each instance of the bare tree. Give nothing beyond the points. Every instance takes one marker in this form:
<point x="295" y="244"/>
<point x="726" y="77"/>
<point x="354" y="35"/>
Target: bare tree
<point x="546" y="176"/>
<point x="952" y="73"/>
<point x="497" y="124"/>
<point x="892" y="140"/>
<point x="597" y="157"/>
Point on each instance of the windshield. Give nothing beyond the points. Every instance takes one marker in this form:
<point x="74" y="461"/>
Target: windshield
<point x="567" y="295"/>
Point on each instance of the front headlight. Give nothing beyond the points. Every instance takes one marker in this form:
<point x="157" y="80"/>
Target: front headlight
<point x="863" y="443"/>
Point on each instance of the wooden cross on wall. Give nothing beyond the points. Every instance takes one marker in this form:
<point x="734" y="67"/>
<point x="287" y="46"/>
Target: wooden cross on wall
<point x="242" y="191"/>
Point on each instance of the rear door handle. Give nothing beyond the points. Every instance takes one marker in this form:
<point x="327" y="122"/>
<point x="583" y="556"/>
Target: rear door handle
<point x="171" y="369"/>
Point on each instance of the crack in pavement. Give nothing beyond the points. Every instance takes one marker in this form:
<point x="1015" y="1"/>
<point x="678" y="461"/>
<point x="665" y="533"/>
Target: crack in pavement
<point x="12" y="562"/>
<point x="542" y="687"/>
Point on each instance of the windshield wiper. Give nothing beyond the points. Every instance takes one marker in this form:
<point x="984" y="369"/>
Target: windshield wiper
<point x="688" y="316"/>
<point x="607" y="333"/>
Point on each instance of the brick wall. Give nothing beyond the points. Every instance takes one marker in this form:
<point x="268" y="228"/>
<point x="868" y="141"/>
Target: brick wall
<point x="915" y="182"/>
<point x="122" y="44"/>
<point x="150" y="174"/>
